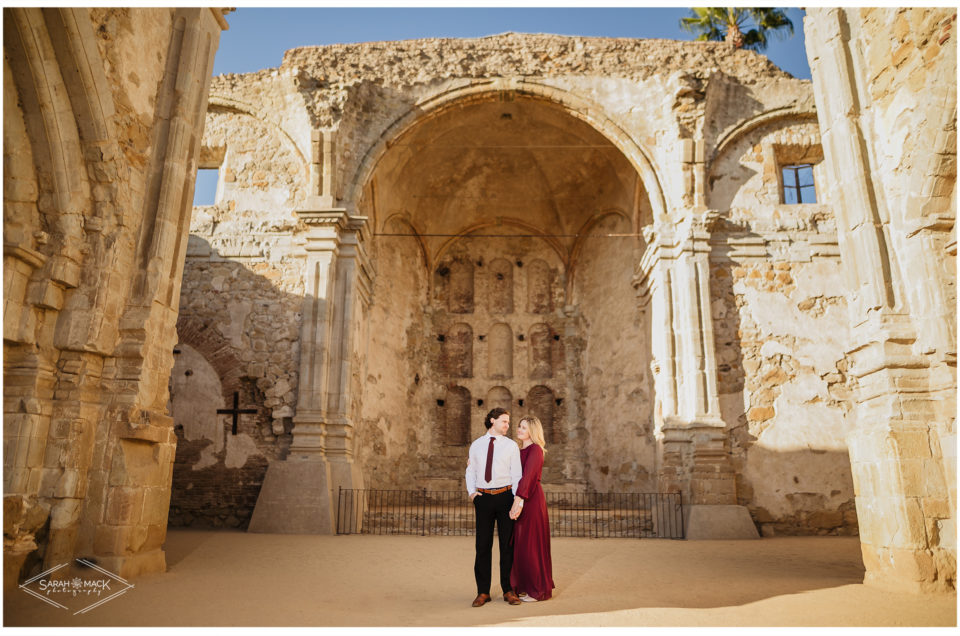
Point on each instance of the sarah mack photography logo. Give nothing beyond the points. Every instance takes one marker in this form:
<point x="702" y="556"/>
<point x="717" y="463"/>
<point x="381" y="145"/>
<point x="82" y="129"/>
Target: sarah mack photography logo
<point x="81" y="587"/>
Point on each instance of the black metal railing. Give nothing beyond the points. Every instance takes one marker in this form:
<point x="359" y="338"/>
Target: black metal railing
<point x="450" y="513"/>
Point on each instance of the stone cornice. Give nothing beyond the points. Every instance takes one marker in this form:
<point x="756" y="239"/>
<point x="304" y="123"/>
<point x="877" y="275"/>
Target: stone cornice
<point x="336" y="219"/>
<point x="725" y="239"/>
<point x="329" y="216"/>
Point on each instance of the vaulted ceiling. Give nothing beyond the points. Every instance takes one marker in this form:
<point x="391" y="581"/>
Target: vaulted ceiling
<point x="513" y="158"/>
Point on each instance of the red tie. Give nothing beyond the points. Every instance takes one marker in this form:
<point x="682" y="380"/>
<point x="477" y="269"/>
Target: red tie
<point x="488" y="472"/>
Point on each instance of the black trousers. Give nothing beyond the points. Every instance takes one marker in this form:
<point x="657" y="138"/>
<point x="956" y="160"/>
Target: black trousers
<point x="492" y="509"/>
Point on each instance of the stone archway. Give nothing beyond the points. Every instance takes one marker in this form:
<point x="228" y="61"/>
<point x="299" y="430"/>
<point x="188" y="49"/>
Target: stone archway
<point x="572" y="104"/>
<point x="504" y="247"/>
<point x="217" y="471"/>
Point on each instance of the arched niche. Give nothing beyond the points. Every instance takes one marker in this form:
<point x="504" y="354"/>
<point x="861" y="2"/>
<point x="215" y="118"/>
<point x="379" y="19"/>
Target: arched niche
<point x="456" y="416"/>
<point x="541" y="403"/>
<point x="500" y="352"/>
<point x="541" y="352"/>
<point x="500" y="287"/>
<point x="460" y="287"/>
<point x="196" y="392"/>
<point x="499" y="397"/>
<point x="498" y="191"/>
<point x="456" y="357"/>
<point x="539" y="287"/>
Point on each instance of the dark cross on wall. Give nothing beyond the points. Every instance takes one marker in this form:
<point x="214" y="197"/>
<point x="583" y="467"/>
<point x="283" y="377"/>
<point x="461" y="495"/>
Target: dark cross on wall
<point x="235" y="411"/>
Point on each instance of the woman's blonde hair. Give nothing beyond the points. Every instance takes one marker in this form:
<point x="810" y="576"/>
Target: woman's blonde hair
<point x="536" y="431"/>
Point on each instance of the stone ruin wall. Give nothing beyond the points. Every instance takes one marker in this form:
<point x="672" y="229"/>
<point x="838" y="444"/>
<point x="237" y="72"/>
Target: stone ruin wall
<point x="398" y="418"/>
<point x="407" y="436"/>
<point x="784" y="391"/>
<point x="914" y="143"/>
<point x="359" y="90"/>
<point x="887" y="112"/>
<point x="240" y="305"/>
<point x="780" y="321"/>
<point x="94" y="200"/>
<point x="615" y="365"/>
<point x="116" y="503"/>
<point x="794" y="477"/>
<point x="498" y="307"/>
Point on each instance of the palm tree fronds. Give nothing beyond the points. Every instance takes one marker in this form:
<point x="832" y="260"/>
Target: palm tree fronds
<point x="742" y="27"/>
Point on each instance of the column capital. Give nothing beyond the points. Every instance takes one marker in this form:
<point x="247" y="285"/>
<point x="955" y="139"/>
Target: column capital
<point x="333" y="230"/>
<point x="336" y="218"/>
<point x="669" y="242"/>
<point x="693" y="233"/>
<point x="666" y="239"/>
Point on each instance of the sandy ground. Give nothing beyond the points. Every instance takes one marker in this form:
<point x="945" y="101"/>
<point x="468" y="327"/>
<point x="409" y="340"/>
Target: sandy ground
<point x="240" y="579"/>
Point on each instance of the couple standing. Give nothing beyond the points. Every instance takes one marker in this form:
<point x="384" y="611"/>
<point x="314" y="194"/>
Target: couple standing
<point x="503" y="482"/>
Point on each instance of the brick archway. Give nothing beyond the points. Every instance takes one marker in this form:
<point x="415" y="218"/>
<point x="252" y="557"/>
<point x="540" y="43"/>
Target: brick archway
<point x="205" y="338"/>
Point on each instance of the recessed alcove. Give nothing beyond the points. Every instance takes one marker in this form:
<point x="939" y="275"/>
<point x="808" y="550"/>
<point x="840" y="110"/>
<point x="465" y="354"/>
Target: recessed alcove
<point x="509" y="227"/>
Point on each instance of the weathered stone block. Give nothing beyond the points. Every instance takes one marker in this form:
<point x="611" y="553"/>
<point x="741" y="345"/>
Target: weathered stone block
<point x="45" y="480"/>
<point x="156" y="505"/>
<point x="111" y="540"/>
<point x="124" y="506"/>
<point x="761" y="413"/>
<point x="156" y="535"/>
<point x="69" y="484"/>
<point x="826" y="519"/>
<point x="136" y="538"/>
<point x="15" y="479"/>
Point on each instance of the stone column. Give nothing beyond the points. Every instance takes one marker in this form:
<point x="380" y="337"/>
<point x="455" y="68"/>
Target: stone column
<point x="299" y="494"/>
<point x="905" y="400"/>
<point x="673" y="276"/>
<point x="88" y="338"/>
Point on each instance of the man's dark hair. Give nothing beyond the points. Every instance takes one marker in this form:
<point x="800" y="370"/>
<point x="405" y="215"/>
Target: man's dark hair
<point x="494" y="414"/>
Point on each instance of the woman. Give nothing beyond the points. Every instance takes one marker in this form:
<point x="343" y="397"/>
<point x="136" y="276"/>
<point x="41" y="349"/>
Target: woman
<point x="532" y="573"/>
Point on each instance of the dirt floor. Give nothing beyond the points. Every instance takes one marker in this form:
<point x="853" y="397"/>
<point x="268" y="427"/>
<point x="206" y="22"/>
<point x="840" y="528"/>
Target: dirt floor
<point x="241" y="579"/>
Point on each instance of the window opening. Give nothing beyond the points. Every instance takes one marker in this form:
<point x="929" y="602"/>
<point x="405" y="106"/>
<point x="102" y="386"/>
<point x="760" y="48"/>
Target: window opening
<point x="205" y="189"/>
<point x="798" y="184"/>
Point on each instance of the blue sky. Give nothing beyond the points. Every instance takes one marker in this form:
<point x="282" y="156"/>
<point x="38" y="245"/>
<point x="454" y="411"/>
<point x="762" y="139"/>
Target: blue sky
<point x="258" y="37"/>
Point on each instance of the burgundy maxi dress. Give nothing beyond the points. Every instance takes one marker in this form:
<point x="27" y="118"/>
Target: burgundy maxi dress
<point x="532" y="568"/>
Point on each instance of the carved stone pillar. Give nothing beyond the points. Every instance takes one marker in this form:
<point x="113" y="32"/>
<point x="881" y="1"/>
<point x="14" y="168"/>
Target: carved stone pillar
<point x="902" y="446"/>
<point x="94" y="235"/>
<point x="674" y="278"/>
<point x="299" y="493"/>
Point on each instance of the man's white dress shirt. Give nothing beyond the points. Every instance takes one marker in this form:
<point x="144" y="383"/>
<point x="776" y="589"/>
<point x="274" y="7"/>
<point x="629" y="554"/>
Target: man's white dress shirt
<point x="506" y="467"/>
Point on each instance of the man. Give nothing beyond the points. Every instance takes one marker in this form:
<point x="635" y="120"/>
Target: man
<point x="493" y="474"/>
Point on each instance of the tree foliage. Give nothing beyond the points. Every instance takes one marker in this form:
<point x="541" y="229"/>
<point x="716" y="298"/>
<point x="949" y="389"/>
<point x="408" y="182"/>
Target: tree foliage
<point x="742" y="27"/>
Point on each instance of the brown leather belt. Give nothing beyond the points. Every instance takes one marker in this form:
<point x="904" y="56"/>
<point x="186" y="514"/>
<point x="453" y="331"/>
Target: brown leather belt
<point x="494" y="491"/>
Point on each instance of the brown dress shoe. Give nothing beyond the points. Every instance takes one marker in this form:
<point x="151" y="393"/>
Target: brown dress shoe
<point x="512" y="598"/>
<point x="481" y="599"/>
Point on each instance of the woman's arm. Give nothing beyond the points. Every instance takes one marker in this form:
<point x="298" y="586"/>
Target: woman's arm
<point x="531" y="475"/>
<point x="531" y="472"/>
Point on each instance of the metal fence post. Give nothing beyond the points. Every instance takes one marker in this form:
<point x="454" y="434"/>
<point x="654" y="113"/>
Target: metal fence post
<point x="680" y="506"/>
<point x="339" y="504"/>
<point x="596" y="515"/>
